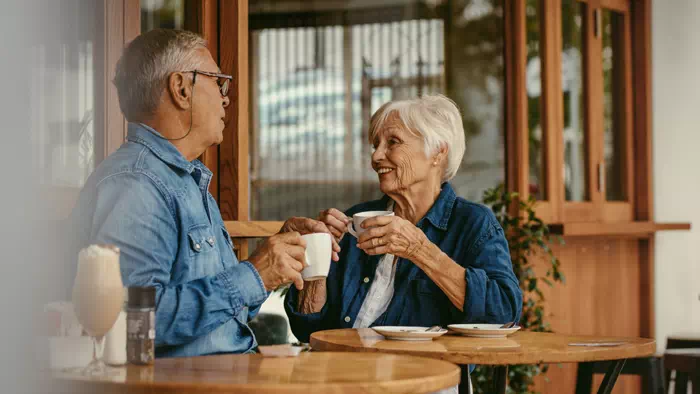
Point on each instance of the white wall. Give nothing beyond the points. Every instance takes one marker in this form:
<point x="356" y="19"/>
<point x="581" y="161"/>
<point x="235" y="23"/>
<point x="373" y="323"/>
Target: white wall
<point x="676" y="149"/>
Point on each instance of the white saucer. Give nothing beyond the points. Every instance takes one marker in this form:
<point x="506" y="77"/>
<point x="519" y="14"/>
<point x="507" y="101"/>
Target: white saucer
<point x="408" y="333"/>
<point x="483" y="330"/>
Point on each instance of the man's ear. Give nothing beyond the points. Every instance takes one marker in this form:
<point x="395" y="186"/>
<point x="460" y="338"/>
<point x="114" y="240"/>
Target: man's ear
<point x="180" y="90"/>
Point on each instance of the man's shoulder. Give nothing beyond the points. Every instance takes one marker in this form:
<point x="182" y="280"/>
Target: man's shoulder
<point x="478" y="214"/>
<point x="475" y="223"/>
<point x="133" y="163"/>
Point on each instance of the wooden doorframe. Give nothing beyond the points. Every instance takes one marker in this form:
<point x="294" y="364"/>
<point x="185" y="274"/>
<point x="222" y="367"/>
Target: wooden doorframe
<point x="202" y="17"/>
<point x="233" y="169"/>
<point x="643" y="186"/>
<point x="122" y="23"/>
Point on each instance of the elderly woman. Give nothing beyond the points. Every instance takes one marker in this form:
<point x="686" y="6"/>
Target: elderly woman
<point x="439" y="260"/>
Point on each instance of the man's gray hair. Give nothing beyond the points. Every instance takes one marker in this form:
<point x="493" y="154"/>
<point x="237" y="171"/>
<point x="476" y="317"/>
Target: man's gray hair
<point x="147" y="62"/>
<point x="436" y="118"/>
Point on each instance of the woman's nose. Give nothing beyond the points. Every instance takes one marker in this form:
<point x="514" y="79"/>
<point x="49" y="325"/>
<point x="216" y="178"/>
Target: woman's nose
<point x="378" y="154"/>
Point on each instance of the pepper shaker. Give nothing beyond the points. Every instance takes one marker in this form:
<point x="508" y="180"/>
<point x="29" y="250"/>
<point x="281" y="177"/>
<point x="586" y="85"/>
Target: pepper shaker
<point x="141" y="325"/>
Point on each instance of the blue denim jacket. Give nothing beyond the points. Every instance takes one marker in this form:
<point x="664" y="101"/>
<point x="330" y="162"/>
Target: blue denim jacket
<point x="152" y="203"/>
<point x="469" y="233"/>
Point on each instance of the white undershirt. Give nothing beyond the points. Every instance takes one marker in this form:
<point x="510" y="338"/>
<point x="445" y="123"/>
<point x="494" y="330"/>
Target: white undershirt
<point x="380" y="292"/>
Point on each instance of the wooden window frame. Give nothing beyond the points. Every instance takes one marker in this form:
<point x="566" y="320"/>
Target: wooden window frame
<point x="555" y="209"/>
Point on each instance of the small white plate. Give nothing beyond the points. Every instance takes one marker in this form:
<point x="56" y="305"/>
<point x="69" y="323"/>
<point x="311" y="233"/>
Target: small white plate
<point x="483" y="330"/>
<point x="408" y="333"/>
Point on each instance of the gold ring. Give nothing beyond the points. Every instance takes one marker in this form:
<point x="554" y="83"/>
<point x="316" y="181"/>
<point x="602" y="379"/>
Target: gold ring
<point x="375" y="241"/>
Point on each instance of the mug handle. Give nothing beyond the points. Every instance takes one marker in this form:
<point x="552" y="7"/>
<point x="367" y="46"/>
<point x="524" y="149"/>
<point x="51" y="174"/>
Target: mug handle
<point x="351" y="230"/>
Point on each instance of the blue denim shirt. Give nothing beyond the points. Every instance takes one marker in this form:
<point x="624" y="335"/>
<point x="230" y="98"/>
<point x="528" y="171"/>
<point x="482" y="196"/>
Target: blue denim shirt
<point x="152" y="203"/>
<point x="469" y="233"/>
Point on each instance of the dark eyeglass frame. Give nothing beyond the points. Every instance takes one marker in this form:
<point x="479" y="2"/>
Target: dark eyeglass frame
<point x="223" y="86"/>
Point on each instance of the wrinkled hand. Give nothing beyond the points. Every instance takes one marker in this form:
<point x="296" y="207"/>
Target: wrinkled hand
<point x="391" y="234"/>
<point x="280" y="260"/>
<point x="336" y="222"/>
<point x="309" y="226"/>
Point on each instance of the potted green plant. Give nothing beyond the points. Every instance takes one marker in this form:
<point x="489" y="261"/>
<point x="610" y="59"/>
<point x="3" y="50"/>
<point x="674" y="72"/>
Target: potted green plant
<point x="529" y="239"/>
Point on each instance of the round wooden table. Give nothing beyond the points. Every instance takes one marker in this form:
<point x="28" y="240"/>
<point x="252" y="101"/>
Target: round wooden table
<point x="519" y="348"/>
<point x="310" y="372"/>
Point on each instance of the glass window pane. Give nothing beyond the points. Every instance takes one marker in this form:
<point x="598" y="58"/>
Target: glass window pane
<point x="318" y="75"/>
<point x="613" y="137"/>
<point x="165" y="14"/>
<point x="575" y="171"/>
<point x="62" y="90"/>
<point x="534" y="94"/>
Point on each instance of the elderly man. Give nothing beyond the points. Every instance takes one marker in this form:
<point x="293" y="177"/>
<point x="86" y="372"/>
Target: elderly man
<point x="151" y="199"/>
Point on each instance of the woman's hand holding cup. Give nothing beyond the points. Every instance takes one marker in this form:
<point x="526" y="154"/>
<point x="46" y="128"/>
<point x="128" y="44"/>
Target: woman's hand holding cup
<point x="336" y="221"/>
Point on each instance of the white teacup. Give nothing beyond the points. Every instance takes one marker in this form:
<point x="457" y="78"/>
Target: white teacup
<point x="355" y="229"/>
<point x="318" y="256"/>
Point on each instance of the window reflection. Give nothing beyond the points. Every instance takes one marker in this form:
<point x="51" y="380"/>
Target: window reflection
<point x="318" y="71"/>
<point x="534" y="94"/>
<point x="575" y="172"/>
<point x="62" y="90"/>
<point x="613" y="136"/>
<point x="165" y="14"/>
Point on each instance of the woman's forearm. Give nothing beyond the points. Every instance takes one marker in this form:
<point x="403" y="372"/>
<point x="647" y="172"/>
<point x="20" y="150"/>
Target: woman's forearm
<point x="445" y="272"/>
<point x="313" y="297"/>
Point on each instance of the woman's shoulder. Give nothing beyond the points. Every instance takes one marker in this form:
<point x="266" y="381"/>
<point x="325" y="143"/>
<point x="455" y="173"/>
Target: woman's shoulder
<point x="472" y="214"/>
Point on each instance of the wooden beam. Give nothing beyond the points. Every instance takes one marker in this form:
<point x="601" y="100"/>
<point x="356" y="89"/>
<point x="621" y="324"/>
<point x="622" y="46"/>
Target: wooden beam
<point x="632" y="229"/>
<point x="517" y="169"/>
<point x="616" y="5"/>
<point x="114" y="124"/>
<point x="593" y="107"/>
<point x="643" y="186"/>
<point x="552" y="109"/>
<point x="132" y="20"/>
<point x="201" y="17"/>
<point x="233" y="152"/>
<point x="248" y="229"/>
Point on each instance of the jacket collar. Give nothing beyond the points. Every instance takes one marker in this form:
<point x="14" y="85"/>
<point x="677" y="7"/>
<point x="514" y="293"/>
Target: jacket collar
<point x="162" y="148"/>
<point x="439" y="214"/>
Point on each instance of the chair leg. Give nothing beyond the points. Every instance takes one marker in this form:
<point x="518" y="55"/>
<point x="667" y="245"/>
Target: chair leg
<point x="464" y="387"/>
<point x="611" y="376"/>
<point x="681" y="383"/>
<point x="500" y="379"/>
<point x="654" y="379"/>
<point x="584" y="378"/>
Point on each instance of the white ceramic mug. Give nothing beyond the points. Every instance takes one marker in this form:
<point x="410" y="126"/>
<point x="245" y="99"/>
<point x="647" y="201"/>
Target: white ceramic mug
<point x="355" y="229"/>
<point x="318" y="256"/>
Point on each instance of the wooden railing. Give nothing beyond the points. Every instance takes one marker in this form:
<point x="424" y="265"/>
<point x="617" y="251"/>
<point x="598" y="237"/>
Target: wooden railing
<point x="242" y="231"/>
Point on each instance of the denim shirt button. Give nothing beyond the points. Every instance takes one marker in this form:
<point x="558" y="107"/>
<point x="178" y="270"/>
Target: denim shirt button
<point x="347" y="319"/>
<point x="197" y="246"/>
<point x="366" y="280"/>
<point x="211" y="241"/>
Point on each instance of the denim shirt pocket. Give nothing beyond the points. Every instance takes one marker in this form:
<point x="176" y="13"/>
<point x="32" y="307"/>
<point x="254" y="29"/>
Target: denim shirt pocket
<point x="203" y="252"/>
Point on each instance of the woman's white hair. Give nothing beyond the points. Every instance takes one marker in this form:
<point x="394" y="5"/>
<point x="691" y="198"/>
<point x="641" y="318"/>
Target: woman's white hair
<point x="143" y="70"/>
<point x="436" y="118"/>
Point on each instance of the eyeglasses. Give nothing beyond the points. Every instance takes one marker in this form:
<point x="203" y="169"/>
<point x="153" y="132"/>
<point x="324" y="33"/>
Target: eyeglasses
<point x="222" y="80"/>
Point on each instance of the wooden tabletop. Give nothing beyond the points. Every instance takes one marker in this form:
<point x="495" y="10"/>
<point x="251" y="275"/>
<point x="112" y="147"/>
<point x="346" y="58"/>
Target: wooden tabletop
<point x="519" y="348"/>
<point x="310" y="372"/>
